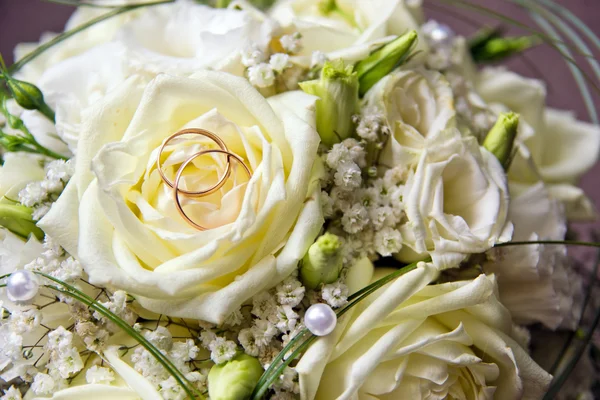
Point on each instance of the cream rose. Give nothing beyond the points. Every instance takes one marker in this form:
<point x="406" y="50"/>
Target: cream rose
<point x="561" y="147"/>
<point x="537" y="283"/>
<point x="119" y="219"/>
<point x="419" y="108"/>
<point x="456" y="202"/>
<point x="409" y="340"/>
<point x="345" y="28"/>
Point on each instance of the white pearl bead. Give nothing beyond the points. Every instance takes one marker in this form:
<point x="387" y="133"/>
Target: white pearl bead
<point x="22" y="286"/>
<point x="320" y="319"/>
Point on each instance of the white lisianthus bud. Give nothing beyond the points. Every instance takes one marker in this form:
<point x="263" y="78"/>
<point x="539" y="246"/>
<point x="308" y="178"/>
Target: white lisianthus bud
<point x="323" y="262"/>
<point x="235" y="379"/>
<point x="18" y="219"/>
<point x="338" y="92"/>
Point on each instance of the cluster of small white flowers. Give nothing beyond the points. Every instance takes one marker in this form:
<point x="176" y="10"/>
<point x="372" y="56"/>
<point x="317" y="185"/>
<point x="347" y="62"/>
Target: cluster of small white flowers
<point x="276" y="314"/>
<point x="64" y="358"/>
<point x="40" y="195"/>
<point x="363" y="209"/>
<point x="263" y="71"/>
<point x="180" y="353"/>
<point x="55" y="262"/>
<point x="287" y="385"/>
<point x="371" y="125"/>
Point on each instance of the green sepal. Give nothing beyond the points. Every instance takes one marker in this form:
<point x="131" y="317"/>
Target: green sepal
<point x="18" y="220"/>
<point x="384" y="60"/>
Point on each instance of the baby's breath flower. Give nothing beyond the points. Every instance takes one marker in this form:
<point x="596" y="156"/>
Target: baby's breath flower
<point x="264" y="332"/>
<point x="34" y="193"/>
<point x="279" y="62"/>
<point x="25" y="321"/>
<point x="43" y="384"/>
<point x="263" y="305"/>
<point x="292" y="43"/>
<point x="247" y="339"/>
<point x="99" y="375"/>
<point x="355" y="219"/>
<point x="327" y="205"/>
<point x="222" y="350"/>
<point x="348" y="176"/>
<point x="290" y="292"/>
<point x="261" y="75"/>
<point x="335" y="294"/>
<point x="388" y="241"/>
<point x="318" y="59"/>
<point x="286" y="318"/>
<point x="252" y="56"/>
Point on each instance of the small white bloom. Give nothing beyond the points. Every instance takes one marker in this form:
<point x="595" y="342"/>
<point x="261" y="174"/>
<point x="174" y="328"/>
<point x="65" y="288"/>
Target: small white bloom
<point x="207" y="337"/>
<point x="60" y="170"/>
<point x="263" y="305"/>
<point x="279" y="62"/>
<point x="234" y="319"/>
<point x="371" y="125"/>
<point x="286" y="318"/>
<point x="99" y="375"/>
<point x="348" y="176"/>
<point x="252" y="56"/>
<point x="388" y="241"/>
<point x="327" y="204"/>
<point x="357" y="151"/>
<point x="40" y="211"/>
<point x="222" y="350"/>
<point x="261" y="75"/>
<point x="12" y="394"/>
<point x="264" y="332"/>
<point x="248" y="341"/>
<point x="52" y="185"/>
<point x="25" y="321"/>
<point x="290" y="292"/>
<point x="335" y="294"/>
<point x="292" y="43"/>
<point x="288" y="380"/>
<point x="34" y="193"/>
<point x="382" y="216"/>
<point x="160" y="337"/>
<point x="59" y="339"/>
<point x="318" y="59"/>
<point x="170" y="390"/>
<point x="69" y="271"/>
<point x="337" y="155"/>
<point x="68" y="363"/>
<point x="355" y="219"/>
<point x="184" y="351"/>
<point x="43" y="384"/>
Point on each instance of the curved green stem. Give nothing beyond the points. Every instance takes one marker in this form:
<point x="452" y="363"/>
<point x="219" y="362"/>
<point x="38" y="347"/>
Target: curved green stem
<point x="554" y="242"/>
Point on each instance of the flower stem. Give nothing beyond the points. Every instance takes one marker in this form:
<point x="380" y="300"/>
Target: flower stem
<point x="555" y="242"/>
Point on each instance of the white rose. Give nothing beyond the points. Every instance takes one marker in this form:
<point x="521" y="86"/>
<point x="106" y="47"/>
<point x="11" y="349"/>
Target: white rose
<point x="351" y="29"/>
<point x="561" y="147"/>
<point x="184" y="37"/>
<point x="456" y="203"/>
<point x="419" y="107"/>
<point x="536" y="283"/>
<point x="409" y="340"/>
<point x="118" y="217"/>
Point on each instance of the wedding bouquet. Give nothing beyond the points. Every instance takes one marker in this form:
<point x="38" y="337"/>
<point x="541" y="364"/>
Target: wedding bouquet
<point x="312" y="199"/>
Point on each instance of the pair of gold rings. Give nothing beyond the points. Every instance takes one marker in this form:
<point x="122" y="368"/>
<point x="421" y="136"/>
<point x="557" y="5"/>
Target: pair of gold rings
<point x="175" y="185"/>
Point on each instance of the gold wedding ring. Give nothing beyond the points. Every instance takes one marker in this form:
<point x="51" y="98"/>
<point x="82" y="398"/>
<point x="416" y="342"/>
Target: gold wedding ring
<point x="177" y="191"/>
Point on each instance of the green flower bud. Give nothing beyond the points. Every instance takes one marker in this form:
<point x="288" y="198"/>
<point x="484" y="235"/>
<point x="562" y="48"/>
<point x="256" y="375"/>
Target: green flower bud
<point x="29" y="96"/>
<point x="494" y="48"/>
<point x="234" y="380"/>
<point x="337" y="90"/>
<point x="499" y="141"/>
<point x="383" y="61"/>
<point x="18" y="220"/>
<point x="323" y="261"/>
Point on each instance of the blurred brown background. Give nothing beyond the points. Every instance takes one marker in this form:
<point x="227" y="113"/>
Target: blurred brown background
<point x="25" y="20"/>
